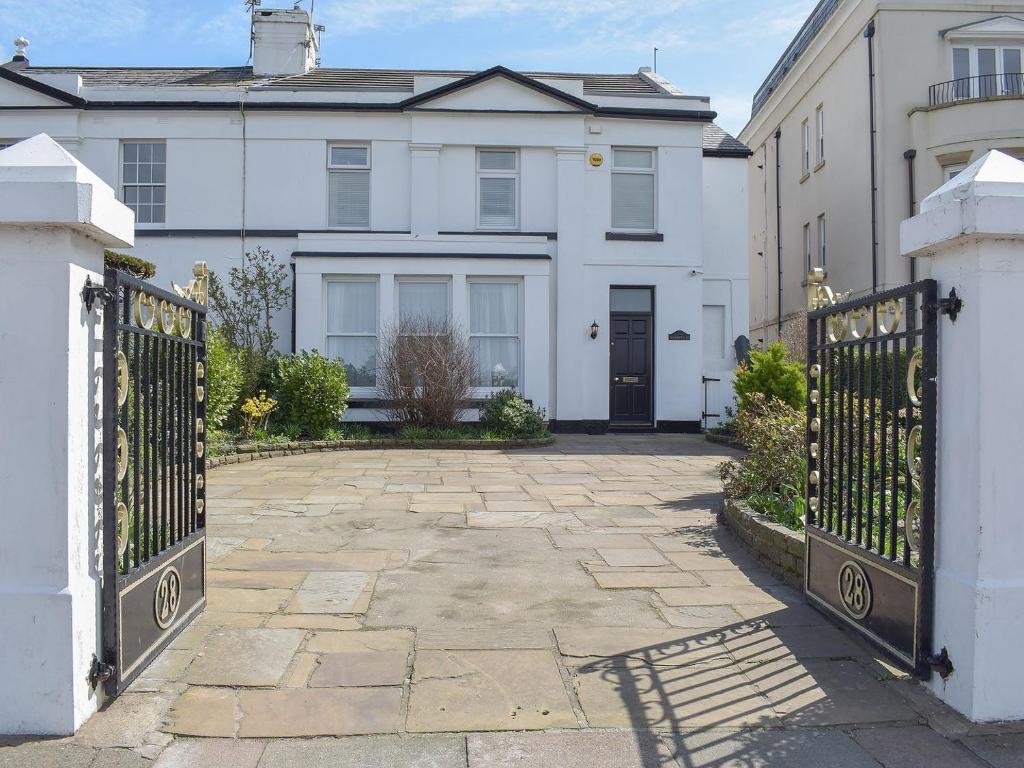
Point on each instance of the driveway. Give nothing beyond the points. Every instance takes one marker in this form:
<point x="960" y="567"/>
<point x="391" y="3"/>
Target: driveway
<point x="577" y="605"/>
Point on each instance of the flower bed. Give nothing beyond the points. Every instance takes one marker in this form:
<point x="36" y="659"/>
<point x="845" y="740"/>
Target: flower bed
<point x="776" y="546"/>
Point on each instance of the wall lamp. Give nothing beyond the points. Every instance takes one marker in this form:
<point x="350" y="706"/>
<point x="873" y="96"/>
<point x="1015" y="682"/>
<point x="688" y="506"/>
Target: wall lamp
<point x="594" y="328"/>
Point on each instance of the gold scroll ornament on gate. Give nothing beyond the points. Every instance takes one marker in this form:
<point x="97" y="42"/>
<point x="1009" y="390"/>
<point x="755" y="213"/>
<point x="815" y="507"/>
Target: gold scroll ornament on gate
<point x="859" y="323"/>
<point x="148" y="311"/>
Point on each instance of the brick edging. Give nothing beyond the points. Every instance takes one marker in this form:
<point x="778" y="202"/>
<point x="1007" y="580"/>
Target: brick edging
<point x="250" y="452"/>
<point x="727" y="440"/>
<point x="774" y="545"/>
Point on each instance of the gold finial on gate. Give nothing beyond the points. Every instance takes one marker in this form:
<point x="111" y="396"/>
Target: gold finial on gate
<point x="819" y="295"/>
<point x="198" y="289"/>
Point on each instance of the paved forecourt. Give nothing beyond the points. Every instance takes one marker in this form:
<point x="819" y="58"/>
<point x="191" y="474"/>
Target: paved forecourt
<point x="577" y="605"/>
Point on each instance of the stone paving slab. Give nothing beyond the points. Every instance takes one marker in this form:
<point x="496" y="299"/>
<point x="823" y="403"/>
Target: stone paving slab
<point x="628" y="579"/>
<point x="204" y="712"/>
<point x="333" y="592"/>
<point x="360" y="668"/>
<point x="624" y="558"/>
<point x="319" y="712"/>
<point x="658" y="647"/>
<point x="589" y="749"/>
<point x="367" y="752"/>
<point x="394" y="640"/>
<point x="344" y="560"/>
<point x="221" y="753"/>
<point x="999" y="750"/>
<point x="917" y="746"/>
<point x="239" y="657"/>
<point x="487" y="691"/>
<point x="801" y="748"/>
<point x="494" y="637"/>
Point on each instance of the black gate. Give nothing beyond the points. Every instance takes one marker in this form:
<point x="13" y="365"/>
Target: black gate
<point x="154" y="469"/>
<point x="871" y="396"/>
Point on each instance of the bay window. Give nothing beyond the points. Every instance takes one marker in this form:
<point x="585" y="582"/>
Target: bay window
<point x="352" y="328"/>
<point x="494" y="332"/>
<point x="423" y="303"/>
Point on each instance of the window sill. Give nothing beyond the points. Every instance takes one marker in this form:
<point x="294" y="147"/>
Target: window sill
<point x="819" y="166"/>
<point x="805" y="177"/>
<point x="648" y="237"/>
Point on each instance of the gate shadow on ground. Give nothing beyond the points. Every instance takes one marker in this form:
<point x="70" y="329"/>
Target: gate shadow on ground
<point x="720" y="697"/>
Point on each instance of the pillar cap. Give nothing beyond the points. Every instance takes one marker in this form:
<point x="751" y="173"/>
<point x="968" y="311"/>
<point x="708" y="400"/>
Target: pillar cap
<point x="42" y="184"/>
<point x="986" y="198"/>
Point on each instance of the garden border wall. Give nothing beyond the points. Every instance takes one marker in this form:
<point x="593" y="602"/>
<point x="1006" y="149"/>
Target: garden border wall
<point x="774" y="545"/>
<point x="251" y="452"/>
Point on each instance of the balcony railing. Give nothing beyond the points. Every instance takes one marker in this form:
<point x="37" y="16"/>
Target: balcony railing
<point x="980" y="87"/>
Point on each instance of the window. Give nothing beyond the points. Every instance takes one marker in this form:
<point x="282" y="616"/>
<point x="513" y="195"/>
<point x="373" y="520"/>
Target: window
<point x="821" y="241"/>
<point x="805" y="155"/>
<point x="807" y="246"/>
<point x="631" y="300"/>
<point x="987" y="70"/>
<point x="144" y="180"/>
<point x="633" y="189"/>
<point x="497" y="172"/>
<point x="348" y="181"/>
<point x="422" y="301"/>
<point x="494" y="332"/>
<point x="949" y="171"/>
<point x="714" y="337"/>
<point x="819" y="120"/>
<point x="5" y="143"/>
<point x="352" y="328"/>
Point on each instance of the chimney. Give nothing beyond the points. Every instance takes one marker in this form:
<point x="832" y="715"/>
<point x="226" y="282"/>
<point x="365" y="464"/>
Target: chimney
<point x="19" y="60"/>
<point x="284" y="42"/>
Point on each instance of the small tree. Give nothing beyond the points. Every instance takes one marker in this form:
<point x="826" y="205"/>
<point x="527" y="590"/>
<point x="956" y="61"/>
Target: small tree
<point x="313" y="391"/>
<point x="770" y="374"/>
<point x="425" y="372"/>
<point x="256" y="291"/>
<point x="223" y="377"/>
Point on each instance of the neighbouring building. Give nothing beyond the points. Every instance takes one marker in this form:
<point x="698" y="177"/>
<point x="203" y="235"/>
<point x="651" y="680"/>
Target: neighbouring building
<point x="586" y="230"/>
<point x="870" y="108"/>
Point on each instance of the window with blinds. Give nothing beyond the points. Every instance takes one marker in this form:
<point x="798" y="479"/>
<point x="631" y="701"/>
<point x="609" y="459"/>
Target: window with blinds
<point x="498" y="189"/>
<point x="348" y="186"/>
<point x="144" y="180"/>
<point x="633" y="190"/>
<point x="351" y="332"/>
<point x="494" y="332"/>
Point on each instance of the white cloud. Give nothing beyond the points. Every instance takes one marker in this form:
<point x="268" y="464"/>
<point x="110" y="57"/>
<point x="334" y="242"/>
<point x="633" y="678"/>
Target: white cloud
<point x="733" y="111"/>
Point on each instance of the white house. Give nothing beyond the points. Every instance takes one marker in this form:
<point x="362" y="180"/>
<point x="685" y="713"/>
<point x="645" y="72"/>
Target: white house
<point x="589" y="231"/>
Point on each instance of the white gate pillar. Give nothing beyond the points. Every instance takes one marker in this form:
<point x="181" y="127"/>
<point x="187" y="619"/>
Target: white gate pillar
<point x="971" y="230"/>
<point x="56" y="217"/>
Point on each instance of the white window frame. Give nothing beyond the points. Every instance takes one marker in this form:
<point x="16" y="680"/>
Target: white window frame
<point x="652" y="171"/>
<point x="490" y="173"/>
<point x="951" y="170"/>
<point x="822" y="241"/>
<point x="819" y="128"/>
<point x="974" y="86"/>
<point x="518" y="282"/>
<point x="121" y="182"/>
<point x="805" y="153"/>
<point x="367" y="169"/>
<point x="355" y="392"/>
<point x="807" y="246"/>
<point x="400" y="279"/>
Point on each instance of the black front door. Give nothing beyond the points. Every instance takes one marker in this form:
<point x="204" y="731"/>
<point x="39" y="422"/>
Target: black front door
<point x="632" y="364"/>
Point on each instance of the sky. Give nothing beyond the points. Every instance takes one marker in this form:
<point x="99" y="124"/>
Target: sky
<point x="716" y="48"/>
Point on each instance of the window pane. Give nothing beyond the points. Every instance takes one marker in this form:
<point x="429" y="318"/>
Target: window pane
<point x="159" y="214"/>
<point x="1012" y="78"/>
<point x="145" y="172"/>
<point x="131" y="153"/>
<point x="961" y="63"/>
<point x="497" y="160"/>
<point x="633" y="158"/>
<point x="498" y="202"/>
<point x="159" y="173"/>
<point x="131" y="195"/>
<point x="352" y="307"/>
<point x="422" y="301"/>
<point x="349" y="202"/>
<point x="359" y="354"/>
<point x="350" y="156"/>
<point x="497" y="362"/>
<point x="159" y="153"/>
<point x="630" y="300"/>
<point x="130" y="173"/>
<point x="145" y="153"/>
<point x="714" y="334"/>
<point x="632" y="201"/>
<point x="494" y="308"/>
<point x="987" y="72"/>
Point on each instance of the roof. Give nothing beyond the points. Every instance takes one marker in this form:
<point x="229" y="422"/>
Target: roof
<point x="800" y="43"/>
<point x="718" y="143"/>
<point x="325" y="77"/>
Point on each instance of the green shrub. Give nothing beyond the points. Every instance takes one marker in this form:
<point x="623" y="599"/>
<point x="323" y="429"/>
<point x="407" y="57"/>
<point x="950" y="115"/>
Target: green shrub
<point x="770" y="477"/>
<point x="508" y="415"/>
<point x="223" y="378"/>
<point x="131" y="265"/>
<point x="769" y="373"/>
<point x="313" y="392"/>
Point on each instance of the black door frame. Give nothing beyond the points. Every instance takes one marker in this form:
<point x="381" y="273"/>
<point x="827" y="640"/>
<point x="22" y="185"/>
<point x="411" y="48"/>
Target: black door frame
<point x="612" y="424"/>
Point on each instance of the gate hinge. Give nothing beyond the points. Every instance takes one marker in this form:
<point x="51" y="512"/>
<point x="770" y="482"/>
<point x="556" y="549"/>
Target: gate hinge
<point x="941" y="663"/>
<point x="100" y="671"/>
<point x="91" y="292"/>
<point x="952" y="305"/>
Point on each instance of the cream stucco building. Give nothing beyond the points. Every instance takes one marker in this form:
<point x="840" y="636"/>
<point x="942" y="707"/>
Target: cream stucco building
<point x="870" y="108"/>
